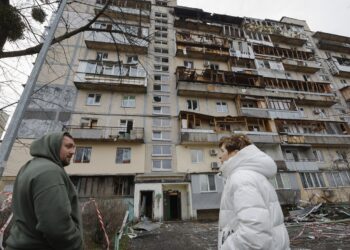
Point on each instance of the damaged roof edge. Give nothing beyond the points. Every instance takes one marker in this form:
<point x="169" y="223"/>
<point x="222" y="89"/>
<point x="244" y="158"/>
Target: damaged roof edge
<point x="193" y="13"/>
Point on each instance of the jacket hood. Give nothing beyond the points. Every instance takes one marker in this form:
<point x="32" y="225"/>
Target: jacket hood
<point x="48" y="147"/>
<point x="250" y="158"/>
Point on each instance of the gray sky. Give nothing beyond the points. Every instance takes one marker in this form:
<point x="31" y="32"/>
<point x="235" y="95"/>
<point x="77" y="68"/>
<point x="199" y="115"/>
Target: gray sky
<point x="331" y="16"/>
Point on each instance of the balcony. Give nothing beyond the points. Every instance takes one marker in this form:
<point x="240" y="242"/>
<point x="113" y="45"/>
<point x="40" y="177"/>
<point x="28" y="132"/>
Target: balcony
<point x="113" y="134"/>
<point x="339" y="67"/>
<point x="133" y="10"/>
<point x="271" y="113"/>
<point x="209" y="137"/>
<point x="310" y="67"/>
<point x="300" y="54"/>
<point x="345" y="91"/>
<point x="317" y="139"/>
<point x="333" y="42"/>
<point x="288" y="38"/>
<point x="304" y="165"/>
<point x="201" y="52"/>
<point x="93" y="75"/>
<point x="100" y="40"/>
<point x="202" y="40"/>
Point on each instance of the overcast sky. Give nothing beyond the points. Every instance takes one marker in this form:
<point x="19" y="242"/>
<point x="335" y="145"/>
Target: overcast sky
<point x="331" y="16"/>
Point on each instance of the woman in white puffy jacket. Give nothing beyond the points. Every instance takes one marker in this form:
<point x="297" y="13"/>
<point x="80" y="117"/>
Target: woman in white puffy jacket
<point x="250" y="214"/>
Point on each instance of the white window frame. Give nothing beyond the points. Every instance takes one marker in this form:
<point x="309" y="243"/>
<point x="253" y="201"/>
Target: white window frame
<point x="161" y="161"/>
<point x="197" y="156"/>
<point x="126" y="155"/>
<point x="314" y="178"/>
<point x="284" y="180"/>
<point x="205" y="178"/>
<point x="164" y="150"/>
<point x="221" y="107"/>
<point x="129" y="101"/>
<point x="163" y="122"/>
<point x="91" y="99"/>
<point x="86" y="153"/>
<point x="161" y="110"/>
<point x="164" y="135"/>
<point x="190" y="102"/>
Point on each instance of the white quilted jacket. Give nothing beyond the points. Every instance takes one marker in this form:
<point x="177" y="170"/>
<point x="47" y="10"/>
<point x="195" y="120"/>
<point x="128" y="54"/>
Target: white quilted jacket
<point x="250" y="214"/>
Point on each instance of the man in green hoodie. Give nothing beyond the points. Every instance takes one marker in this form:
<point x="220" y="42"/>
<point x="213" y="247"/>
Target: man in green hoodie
<point x="46" y="212"/>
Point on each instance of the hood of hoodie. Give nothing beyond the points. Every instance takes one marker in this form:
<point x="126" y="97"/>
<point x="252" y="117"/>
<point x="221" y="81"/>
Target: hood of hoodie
<point x="49" y="147"/>
<point x="250" y="158"/>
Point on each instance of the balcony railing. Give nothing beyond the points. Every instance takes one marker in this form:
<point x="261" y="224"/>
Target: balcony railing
<point x="114" y="41"/>
<point x="316" y="139"/>
<point x="304" y="165"/>
<point x="272" y="113"/>
<point x="338" y="69"/>
<point x="334" y="46"/>
<point x="209" y="41"/>
<point x="111" y="75"/>
<point x="106" y="133"/>
<point x="203" y="52"/>
<point x="301" y="65"/>
<point x="194" y="136"/>
<point x="127" y="9"/>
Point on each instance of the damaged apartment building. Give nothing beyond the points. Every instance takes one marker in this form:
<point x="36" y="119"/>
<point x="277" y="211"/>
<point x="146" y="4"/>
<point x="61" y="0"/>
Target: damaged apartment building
<point x="151" y="87"/>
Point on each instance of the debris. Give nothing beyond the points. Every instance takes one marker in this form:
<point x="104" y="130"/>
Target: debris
<point x="147" y="225"/>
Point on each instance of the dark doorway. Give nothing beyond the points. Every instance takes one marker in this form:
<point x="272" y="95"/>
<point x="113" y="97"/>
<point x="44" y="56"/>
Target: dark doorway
<point x="146" y="204"/>
<point x="172" y="205"/>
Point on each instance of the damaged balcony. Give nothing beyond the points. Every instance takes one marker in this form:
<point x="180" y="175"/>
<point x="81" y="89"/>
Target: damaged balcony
<point x="107" y="75"/>
<point x="327" y="41"/>
<point x="132" y="10"/>
<point x="278" y="32"/>
<point x="339" y="67"/>
<point x="206" y="82"/>
<point x="316" y="133"/>
<point x="293" y="54"/>
<point x="251" y="106"/>
<point x="198" y="20"/>
<point x="204" y="129"/>
<point x="203" y="52"/>
<point x="304" y="92"/>
<point x="309" y="67"/>
<point x="209" y="41"/>
<point x="243" y="65"/>
<point x="345" y="91"/>
<point x="115" y="41"/>
<point x="102" y="133"/>
<point x="300" y="158"/>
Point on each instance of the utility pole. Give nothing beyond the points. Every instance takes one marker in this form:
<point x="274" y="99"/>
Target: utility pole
<point x="12" y="130"/>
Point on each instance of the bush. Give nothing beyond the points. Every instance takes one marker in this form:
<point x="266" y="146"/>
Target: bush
<point x="113" y="212"/>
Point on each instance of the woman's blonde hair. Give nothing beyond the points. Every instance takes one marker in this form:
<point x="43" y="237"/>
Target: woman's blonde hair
<point x="235" y="142"/>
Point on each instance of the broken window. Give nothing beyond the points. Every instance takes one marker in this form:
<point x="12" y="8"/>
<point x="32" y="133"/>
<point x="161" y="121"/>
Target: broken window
<point x="338" y="178"/>
<point x="281" y="181"/>
<point x="312" y="179"/>
<point x="192" y="104"/>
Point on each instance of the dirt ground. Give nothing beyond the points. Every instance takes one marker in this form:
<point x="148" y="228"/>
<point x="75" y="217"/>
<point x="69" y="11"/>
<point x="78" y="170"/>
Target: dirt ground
<point x="203" y="235"/>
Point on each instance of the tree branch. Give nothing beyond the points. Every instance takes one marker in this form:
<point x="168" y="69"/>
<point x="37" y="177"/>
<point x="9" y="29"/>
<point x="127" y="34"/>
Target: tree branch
<point x="35" y="49"/>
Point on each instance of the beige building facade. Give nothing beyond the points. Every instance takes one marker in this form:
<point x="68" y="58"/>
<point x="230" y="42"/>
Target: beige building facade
<point x="151" y="87"/>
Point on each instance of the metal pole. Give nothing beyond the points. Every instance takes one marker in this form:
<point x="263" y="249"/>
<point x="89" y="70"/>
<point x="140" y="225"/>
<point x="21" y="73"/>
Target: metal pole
<point x="17" y="117"/>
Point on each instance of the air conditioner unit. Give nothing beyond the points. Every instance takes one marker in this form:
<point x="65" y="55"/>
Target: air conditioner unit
<point x="214" y="165"/>
<point x="206" y="63"/>
<point x="212" y="152"/>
